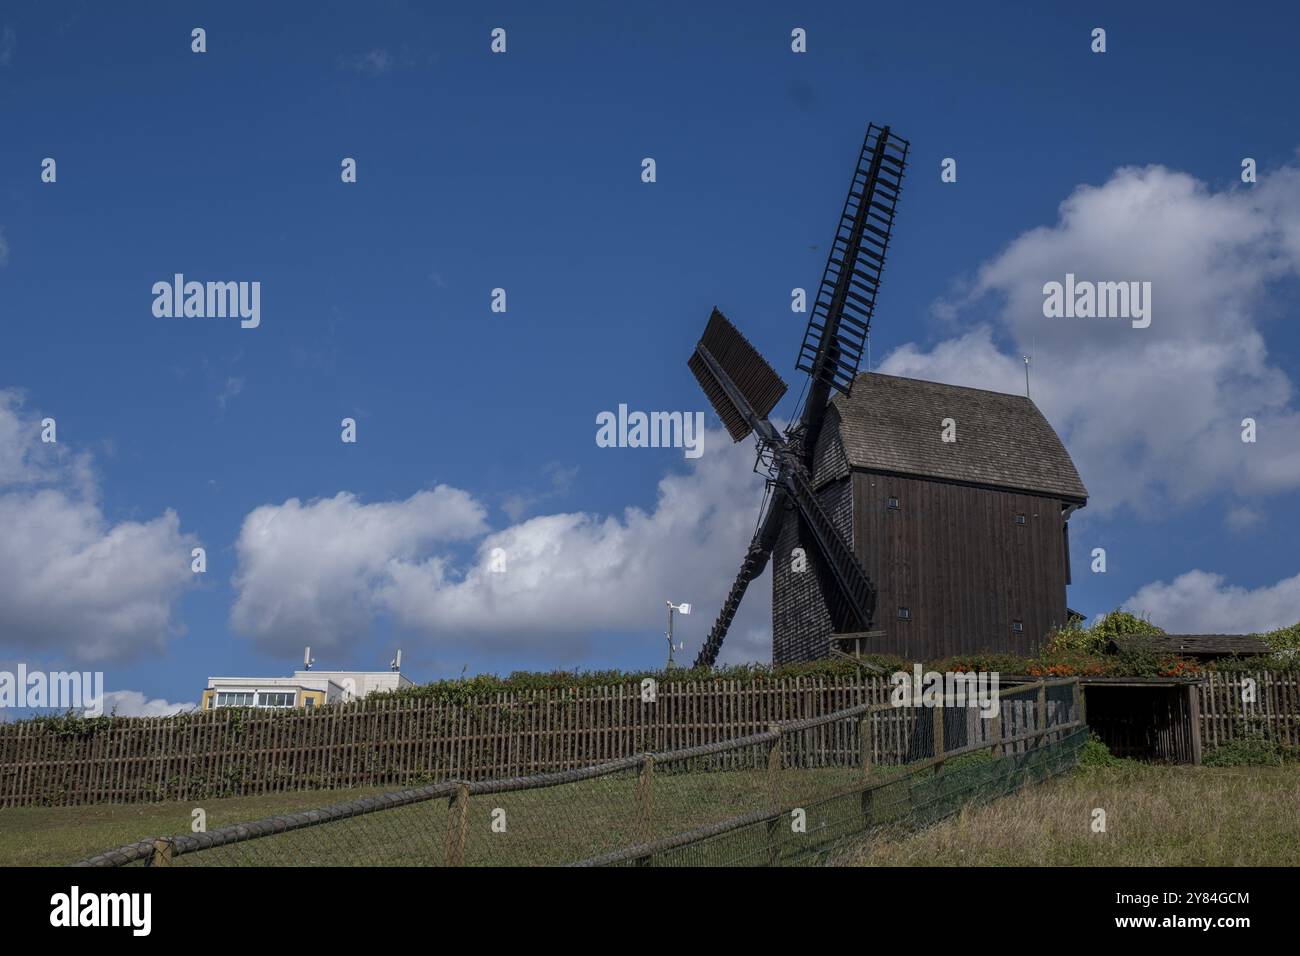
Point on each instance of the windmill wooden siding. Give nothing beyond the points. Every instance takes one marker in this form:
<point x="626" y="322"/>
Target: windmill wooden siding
<point x="954" y="556"/>
<point x="952" y="552"/>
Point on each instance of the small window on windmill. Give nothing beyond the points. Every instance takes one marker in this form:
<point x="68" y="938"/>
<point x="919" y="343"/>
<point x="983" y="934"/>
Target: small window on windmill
<point x="1020" y="519"/>
<point x="1017" y="626"/>
<point x="904" y="614"/>
<point x="891" y="503"/>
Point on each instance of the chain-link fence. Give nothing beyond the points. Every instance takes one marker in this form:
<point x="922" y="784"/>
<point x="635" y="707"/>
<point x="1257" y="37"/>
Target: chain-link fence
<point x="791" y="794"/>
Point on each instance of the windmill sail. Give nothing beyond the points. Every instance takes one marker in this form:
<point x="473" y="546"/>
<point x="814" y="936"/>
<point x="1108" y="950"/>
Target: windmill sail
<point x="846" y="299"/>
<point x="757" y="382"/>
<point x="744" y="389"/>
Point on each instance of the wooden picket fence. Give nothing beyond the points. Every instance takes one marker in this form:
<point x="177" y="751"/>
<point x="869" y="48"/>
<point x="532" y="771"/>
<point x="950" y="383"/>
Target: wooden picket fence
<point x="407" y="741"/>
<point x="396" y="742"/>
<point x="1223" y="716"/>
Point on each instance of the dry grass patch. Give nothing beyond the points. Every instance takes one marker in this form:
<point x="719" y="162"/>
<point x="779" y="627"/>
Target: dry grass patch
<point x="1155" y="816"/>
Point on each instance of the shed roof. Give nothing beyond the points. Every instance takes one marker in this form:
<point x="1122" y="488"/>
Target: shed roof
<point x="1197" y="644"/>
<point x="894" y="424"/>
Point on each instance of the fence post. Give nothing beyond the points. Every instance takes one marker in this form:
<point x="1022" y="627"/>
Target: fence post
<point x="864" y="748"/>
<point x="162" y="853"/>
<point x="774" y="795"/>
<point x="996" y="732"/>
<point x="1194" y="717"/>
<point x="1042" y="714"/>
<point x="645" y="802"/>
<point x="864" y="744"/>
<point x="937" y="720"/>
<point x="457" y="825"/>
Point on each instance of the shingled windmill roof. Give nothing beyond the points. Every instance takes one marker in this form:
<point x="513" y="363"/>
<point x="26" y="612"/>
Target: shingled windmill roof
<point x="893" y="424"/>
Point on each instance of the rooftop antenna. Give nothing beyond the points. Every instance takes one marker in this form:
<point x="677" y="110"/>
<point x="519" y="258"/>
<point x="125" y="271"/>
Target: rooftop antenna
<point x="307" y="659"/>
<point x="1027" y="358"/>
<point x="396" y="663"/>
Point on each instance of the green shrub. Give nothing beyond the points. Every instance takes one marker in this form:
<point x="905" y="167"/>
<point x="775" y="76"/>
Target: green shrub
<point x="1284" y="642"/>
<point x="1253" y="750"/>
<point x="1270" y="662"/>
<point x="1075" y="638"/>
<point x="1095" y="753"/>
<point x="1120" y="623"/>
<point x="972" y="759"/>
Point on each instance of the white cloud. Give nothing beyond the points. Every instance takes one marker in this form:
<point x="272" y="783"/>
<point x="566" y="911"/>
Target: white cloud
<point x="308" y="573"/>
<point x="132" y="703"/>
<point x="72" y="582"/>
<point x="321" y="573"/>
<point x="1151" y="416"/>
<point x="1201" y="602"/>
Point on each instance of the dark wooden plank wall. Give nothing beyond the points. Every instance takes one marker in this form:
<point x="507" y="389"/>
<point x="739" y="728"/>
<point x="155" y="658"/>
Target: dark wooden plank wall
<point x="801" y="622"/>
<point x="954" y="556"/>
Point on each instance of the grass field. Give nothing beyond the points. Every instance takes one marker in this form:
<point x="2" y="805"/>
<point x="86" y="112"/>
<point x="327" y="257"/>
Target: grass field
<point x="544" y="826"/>
<point x="54" y="836"/>
<point x="1155" y="816"/>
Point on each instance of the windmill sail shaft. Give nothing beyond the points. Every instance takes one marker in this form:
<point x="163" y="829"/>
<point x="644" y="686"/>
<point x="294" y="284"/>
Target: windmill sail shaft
<point x="836" y="336"/>
<point x="744" y="389"/>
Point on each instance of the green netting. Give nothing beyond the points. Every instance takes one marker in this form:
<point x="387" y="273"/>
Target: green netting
<point x="788" y="796"/>
<point x="910" y="802"/>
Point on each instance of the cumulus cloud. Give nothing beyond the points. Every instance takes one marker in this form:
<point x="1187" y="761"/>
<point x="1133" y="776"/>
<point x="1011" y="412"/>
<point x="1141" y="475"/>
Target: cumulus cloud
<point x="71" y="581"/>
<point x="309" y="573"/>
<point x="1201" y="602"/>
<point x="1149" y="415"/>
<point x="132" y="703"/>
<point x="321" y="573"/>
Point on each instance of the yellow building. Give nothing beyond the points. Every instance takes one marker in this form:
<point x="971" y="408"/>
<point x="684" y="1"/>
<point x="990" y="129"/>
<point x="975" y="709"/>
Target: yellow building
<point x="308" y="689"/>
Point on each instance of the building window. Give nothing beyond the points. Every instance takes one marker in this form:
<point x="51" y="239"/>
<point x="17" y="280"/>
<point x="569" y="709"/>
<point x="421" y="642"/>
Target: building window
<point x="276" y="699"/>
<point x="232" y="699"/>
<point x="1017" y="626"/>
<point x="1020" y="519"/>
<point x="904" y="614"/>
<point x="891" y="504"/>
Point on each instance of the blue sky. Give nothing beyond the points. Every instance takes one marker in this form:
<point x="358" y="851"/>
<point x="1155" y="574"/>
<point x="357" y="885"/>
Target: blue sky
<point x="522" y="171"/>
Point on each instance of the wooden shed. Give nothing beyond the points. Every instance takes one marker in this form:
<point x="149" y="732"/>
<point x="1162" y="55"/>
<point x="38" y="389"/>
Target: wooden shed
<point x="957" y="502"/>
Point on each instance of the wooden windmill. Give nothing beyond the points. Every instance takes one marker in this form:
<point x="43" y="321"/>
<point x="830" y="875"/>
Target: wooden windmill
<point x="743" y="389"/>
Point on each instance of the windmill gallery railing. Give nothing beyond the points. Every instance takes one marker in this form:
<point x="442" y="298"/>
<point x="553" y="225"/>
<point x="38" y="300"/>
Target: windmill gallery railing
<point x="792" y="794"/>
